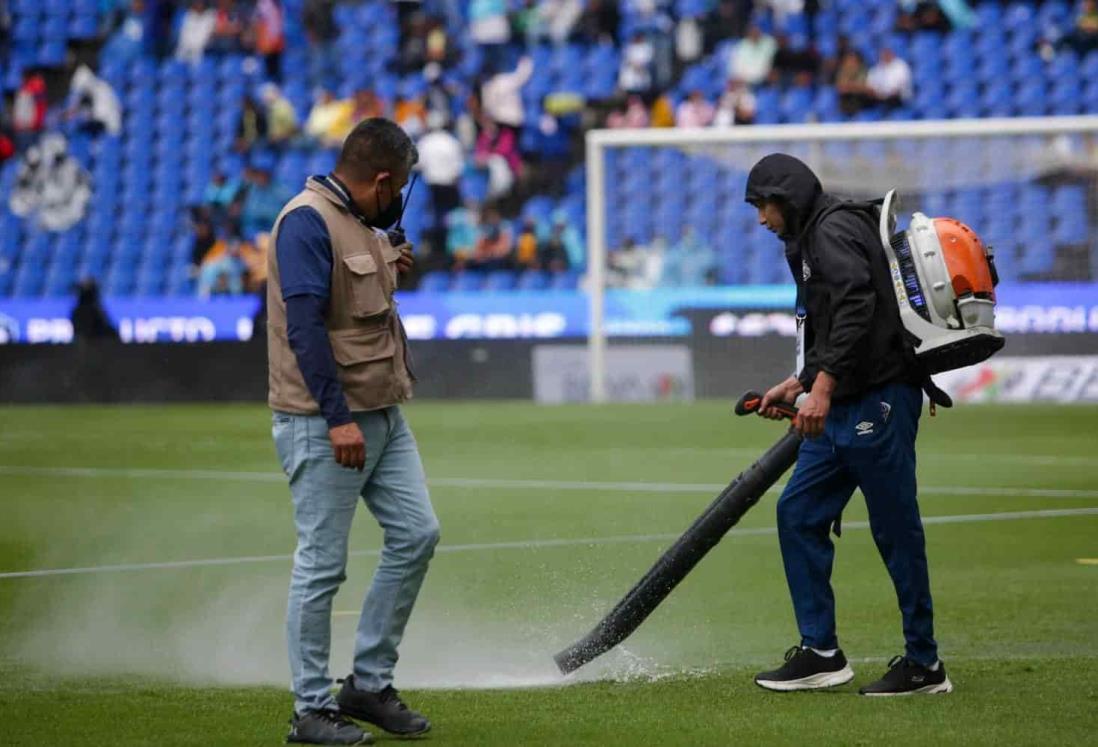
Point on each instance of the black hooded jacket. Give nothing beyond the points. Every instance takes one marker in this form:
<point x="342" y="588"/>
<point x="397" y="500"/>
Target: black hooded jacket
<point x="833" y="249"/>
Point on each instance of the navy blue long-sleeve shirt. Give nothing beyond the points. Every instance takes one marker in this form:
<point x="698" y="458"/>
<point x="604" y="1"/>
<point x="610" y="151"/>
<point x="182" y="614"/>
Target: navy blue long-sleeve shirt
<point x="304" y="251"/>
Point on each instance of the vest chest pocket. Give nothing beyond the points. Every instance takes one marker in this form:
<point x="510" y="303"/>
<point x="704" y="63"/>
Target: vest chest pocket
<point x="364" y="286"/>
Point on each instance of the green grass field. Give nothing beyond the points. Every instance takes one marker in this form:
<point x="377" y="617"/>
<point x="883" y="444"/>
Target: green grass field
<point x="542" y="532"/>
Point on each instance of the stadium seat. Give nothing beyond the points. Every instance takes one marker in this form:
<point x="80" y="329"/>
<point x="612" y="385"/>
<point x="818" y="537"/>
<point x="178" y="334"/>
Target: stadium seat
<point x="468" y="281"/>
<point x="434" y="282"/>
<point x="567" y="280"/>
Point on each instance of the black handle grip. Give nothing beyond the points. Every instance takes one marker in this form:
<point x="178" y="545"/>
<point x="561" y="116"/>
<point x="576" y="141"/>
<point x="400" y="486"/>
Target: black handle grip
<point x="749" y="403"/>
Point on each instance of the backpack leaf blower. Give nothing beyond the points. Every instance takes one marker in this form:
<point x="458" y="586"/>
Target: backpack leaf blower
<point x="944" y="278"/>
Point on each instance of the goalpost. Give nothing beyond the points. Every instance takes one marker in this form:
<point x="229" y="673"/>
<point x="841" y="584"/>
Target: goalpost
<point x="1027" y="185"/>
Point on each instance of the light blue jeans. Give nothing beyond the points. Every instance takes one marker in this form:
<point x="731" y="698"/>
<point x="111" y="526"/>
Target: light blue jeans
<point x="325" y="495"/>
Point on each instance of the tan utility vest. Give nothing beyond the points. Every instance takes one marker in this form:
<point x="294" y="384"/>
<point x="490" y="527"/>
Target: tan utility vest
<point x="366" y="334"/>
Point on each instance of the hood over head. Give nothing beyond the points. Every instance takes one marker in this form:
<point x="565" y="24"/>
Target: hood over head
<point x="779" y="176"/>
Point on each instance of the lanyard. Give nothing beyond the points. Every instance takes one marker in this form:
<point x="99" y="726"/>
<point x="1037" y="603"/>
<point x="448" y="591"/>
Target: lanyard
<point x="802" y="316"/>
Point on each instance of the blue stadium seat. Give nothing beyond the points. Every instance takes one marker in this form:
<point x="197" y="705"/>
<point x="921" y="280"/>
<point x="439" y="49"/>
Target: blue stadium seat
<point x="533" y="280"/>
<point x="500" y="280"/>
<point x="567" y="280"/>
<point x="435" y="282"/>
<point x="468" y="281"/>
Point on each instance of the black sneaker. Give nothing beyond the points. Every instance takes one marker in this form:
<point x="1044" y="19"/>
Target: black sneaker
<point x="384" y="709"/>
<point x="804" y="669"/>
<point x="906" y="677"/>
<point x="326" y="727"/>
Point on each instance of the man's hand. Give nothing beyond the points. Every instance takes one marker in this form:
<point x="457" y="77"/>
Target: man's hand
<point x="786" y="392"/>
<point x="405" y="261"/>
<point x="348" y="446"/>
<point x="813" y="411"/>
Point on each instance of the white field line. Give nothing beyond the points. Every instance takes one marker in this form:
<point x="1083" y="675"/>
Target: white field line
<point x="512" y="484"/>
<point x="537" y="544"/>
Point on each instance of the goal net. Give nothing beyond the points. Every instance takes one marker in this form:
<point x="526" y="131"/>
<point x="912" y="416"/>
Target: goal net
<point x="677" y="260"/>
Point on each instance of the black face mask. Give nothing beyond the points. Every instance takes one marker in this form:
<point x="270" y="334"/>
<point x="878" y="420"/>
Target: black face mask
<point x="393" y="214"/>
<point x="390" y="215"/>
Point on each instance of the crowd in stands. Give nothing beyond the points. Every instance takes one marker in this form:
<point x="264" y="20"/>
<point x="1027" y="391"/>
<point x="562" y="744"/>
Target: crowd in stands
<point x="688" y="262"/>
<point x="496" y="93"/>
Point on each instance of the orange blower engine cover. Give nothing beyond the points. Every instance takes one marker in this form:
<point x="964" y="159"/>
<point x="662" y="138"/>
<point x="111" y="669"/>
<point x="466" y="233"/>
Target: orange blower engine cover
<point x="965" y="258"/>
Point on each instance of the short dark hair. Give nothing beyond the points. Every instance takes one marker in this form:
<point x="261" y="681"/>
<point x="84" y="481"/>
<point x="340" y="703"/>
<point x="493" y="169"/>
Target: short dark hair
<point x="376" y="145"/>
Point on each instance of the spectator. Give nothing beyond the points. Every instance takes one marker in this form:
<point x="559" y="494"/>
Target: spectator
<point x="790" y="63"/>
<point x="28" y="116"/>
<point x="689" y="261"/>
<point x="736" y="106"/>
<point x="254" y="255"/>
<point x="501" y="97"/>
<point x="850" y="83"/>
<point x="654" y="17"/>
<point x="51" y="187"/>
<point x="633" y="114"/>
<point x="410" y="112"/>
<point x="526" y="248"/>
<point x="7" y="143"/>
<point x="5" y="29"/>
<point x="281" y="116"/>
<point x="367" y="106"/>
<point x="221" y="200"/>
<point x="526" y="21"/>
<point x="921" y="15"/>
<point x="497" y="145"/>
<point x="195" y="32"/>
<point x="157" y="36"/>
<point x="553" y="253"/>
<point x="636" y="65"/>
<point x="228" y="28"/>
<point x="890" y="79"/>
<point x="439" y="101"/>
<point x="270" y="36"/>
<point x="438" y="43"/>
<point x="695" y="111"/>
<point x="689" y="42"/>
<point x="727" y="21"/>
<point x="461" y="236"/>
<point x="570" y="239"/>
<point x="559" y="18"/>
<point x="223" y="268"/>
<point x="321" y="34"/>
<point x="1084" y="37"/>
<point x="628" y="266"/>
<point x="494" y="244"/>
<point x="93" y="105"/>
<point x="490" y="29"/>
<point x="262" y="202"/>
<point x="251" y="130"/>
<point x="131" y="41"/>
<point x="89" y="318"/>
<point x="752" y="57"/>
<point x="442" y="161"/>
<point x="203" y="237"/>
<point x="783" y="9"/>
<point x="413" y="45"/>
<point x="830" y="67"/>
<point x="329" y="122"/>
<point x="663" y="112"/>
<point x="601" y="19"/>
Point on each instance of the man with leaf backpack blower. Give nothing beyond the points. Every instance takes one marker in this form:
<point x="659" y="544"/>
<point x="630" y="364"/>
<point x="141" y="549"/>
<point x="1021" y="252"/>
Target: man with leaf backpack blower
<point x="863" y="382"/>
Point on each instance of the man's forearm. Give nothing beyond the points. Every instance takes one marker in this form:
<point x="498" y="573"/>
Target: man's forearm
<point x="824" y="384"/>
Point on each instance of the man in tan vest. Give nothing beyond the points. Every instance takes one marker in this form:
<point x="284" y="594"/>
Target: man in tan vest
<point x="338" y="371"/>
